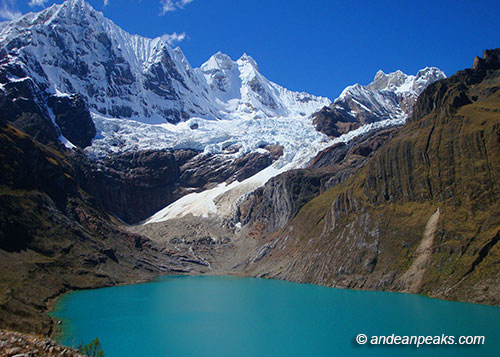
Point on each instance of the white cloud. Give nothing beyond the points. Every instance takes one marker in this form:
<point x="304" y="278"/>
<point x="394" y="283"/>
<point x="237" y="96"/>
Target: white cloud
<point x="173" y="37"/>
<point x="106" y="2"/>
<point x="34" y="3"/>
<point x="7" y="12"/>
<point x="172" y="5"/>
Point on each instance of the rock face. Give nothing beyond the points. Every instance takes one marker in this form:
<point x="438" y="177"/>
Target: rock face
<point x="279" y="200"/>
<point x="132" y="186"/>
<point x="434" y="185"/>
<point x="490" y="60"/>
<point x="45" y="117"/>
<point x="19" y="105"/>
<point x="389" y="96"/>
<point x="72" y="116"/>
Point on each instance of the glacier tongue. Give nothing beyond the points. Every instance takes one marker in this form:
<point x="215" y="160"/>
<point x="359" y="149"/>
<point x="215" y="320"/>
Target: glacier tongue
<point x="221" y="200"/>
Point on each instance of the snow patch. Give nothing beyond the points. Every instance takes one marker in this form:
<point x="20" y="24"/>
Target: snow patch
<point x="68" y="144"/>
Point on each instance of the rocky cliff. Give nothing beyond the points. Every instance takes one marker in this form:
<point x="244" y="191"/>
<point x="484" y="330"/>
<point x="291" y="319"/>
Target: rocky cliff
<point x="422" y="215"/>
<point x="132" y="186"/>
<point x="279" y="200"/>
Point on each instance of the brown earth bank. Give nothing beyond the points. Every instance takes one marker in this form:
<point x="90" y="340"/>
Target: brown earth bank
<point x="412" y="209"/>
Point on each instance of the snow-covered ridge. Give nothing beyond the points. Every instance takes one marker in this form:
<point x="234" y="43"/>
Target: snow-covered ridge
<point x="389" y="96"/>
<point x="71" y="48"/>
<point x="239" y="87"/>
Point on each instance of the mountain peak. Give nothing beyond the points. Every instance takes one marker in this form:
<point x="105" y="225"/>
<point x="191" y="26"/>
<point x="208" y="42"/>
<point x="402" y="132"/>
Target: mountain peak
<point x="430" y="71"/>
<point x="71" y="48"/>
<point x="73" y="11"/>
<point x="383" y="81"/>
<point x="389" y="97"/>
<point x="218" y="61"/>
<point x="379" y="74"/>
<point x="76" y="8"/>
<point x="75" y="3"/>
<point x="248" y="59"/>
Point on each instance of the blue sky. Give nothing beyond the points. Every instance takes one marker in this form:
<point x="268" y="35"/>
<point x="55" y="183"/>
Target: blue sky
<point x="317" y="46"/>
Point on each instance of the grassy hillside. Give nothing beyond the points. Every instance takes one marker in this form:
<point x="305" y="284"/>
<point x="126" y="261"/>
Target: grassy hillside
<point x="366" y="232"/>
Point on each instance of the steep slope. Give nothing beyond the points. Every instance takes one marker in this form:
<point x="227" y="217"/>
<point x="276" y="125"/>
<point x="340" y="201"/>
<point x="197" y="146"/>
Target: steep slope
<point x="55" y="237"/>
<point x="389" y="97"/>
<point x="274" y="204"/>
<point x="428" y="200"/>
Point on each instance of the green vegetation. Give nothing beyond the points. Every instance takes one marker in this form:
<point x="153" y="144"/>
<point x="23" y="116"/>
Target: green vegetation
<point x="93" y="349"/>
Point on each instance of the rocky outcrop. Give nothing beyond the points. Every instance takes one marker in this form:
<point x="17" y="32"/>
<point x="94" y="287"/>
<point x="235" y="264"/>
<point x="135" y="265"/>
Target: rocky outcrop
<point x="19" y="105"/>
<point x="20" y="344"/>
<point x="489" y="61"/>
<point x="205" y="170"/>
<point x="441" y="171"/>
<point x="72" y="116"/>
<point x="333" y="121"/>
<point x="134" y="185"/>
<point x="27" y="105"/>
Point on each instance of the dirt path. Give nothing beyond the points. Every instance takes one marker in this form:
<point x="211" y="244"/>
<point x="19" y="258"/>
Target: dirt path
<point x="412" y="279"/>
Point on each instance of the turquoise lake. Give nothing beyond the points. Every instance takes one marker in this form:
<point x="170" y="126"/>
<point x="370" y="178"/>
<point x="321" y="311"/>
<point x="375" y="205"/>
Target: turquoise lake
<point x="234" y="316"/>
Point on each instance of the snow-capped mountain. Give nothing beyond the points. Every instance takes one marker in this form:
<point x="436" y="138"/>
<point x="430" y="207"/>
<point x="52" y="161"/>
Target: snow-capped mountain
<point x="71" y="48"/>
<point x="143" y="95"/>
<point x="389" y="97"/>
<point x="238" y="87"/>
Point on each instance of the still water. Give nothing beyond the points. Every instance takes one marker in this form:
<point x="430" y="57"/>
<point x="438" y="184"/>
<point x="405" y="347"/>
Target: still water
<point x="234" y="316"/>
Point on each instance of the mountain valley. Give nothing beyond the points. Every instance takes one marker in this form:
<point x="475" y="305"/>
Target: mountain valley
<point x="121" y="162"/>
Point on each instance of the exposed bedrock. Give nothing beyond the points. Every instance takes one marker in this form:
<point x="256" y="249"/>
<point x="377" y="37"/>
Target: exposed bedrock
<point x="27" y="105"/>
<point x="73" y="118"/>
<point x="134" y="185"/>
<point x="284" y="195"/>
